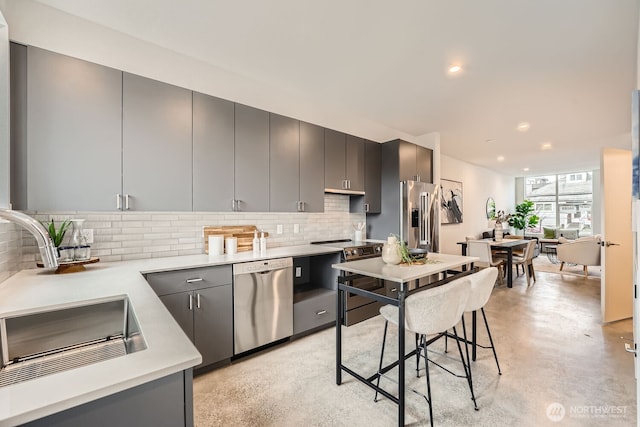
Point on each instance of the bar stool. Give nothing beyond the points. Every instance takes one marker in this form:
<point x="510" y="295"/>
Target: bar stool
<point x="431" y="313"/>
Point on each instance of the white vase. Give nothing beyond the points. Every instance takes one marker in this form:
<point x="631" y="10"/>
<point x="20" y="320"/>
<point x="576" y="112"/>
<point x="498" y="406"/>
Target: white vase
<point x="499" y="232"/>
<point x="391" y="251"/>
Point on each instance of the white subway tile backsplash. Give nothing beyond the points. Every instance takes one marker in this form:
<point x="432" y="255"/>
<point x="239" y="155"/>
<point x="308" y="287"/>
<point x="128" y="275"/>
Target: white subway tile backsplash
<point x="138" y="235"/>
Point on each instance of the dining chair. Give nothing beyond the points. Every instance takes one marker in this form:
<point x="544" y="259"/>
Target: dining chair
<point x="430" y="314"/>
<point x="482" y="250"/>
<point x="526" y="261"/>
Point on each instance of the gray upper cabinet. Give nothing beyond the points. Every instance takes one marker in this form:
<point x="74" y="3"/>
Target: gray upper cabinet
<point x="156" y="145"/>
<point x="354" y="172"/>
<point x="372" y="177"/>
<point x="311" y="167"/>
<point x="424" y="164"/>
<point x="415" y="162"/>
<point x="74" y="111"/>
<point x="213" y="153"/>
<point x="334" y="160"/>
<point x="18" y="126"/>
<point x="344" y="162"/>
<point x="251" y="159"/>
<point x="284" y="168"/>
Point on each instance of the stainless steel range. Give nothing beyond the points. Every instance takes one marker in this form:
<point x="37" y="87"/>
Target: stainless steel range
<point x="359" y="308"/>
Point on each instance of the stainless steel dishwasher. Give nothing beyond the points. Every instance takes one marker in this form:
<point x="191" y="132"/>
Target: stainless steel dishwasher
<point x="262" y="302"/>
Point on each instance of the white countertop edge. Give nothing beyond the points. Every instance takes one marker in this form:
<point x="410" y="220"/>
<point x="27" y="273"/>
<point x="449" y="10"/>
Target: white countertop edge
<point x="375" y="267"/>
<point x="168" y="350"/>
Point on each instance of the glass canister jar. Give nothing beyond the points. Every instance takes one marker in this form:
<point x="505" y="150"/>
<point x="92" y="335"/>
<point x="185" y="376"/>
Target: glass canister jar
<point x="391" y="251"/>
<point x="81" y="249"/>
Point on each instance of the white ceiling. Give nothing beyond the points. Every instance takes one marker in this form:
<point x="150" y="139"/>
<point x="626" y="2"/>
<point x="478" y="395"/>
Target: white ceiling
<point x="567" y="67"/>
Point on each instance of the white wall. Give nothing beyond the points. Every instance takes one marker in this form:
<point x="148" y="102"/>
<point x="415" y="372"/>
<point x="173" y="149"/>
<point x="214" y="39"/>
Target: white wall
<point x="478" y="184"/>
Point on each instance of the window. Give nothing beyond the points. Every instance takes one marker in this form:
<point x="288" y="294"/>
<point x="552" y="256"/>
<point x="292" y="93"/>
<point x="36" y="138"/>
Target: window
<point x="563" y="200"/>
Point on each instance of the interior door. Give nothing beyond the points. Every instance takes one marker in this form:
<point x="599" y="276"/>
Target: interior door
<point x="617" y="254"/>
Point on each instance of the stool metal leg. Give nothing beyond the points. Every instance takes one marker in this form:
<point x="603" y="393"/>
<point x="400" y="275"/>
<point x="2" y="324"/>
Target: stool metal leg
<point x="418" y="348"/>
<point x="426" y="366"/>
<point x="467" y="372"/>
<point x="484" y="316"/>
<point x="384" y="339"/>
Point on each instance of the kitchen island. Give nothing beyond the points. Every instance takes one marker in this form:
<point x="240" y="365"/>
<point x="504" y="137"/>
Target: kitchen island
<point x="164" y="365"/>
<point x="439" y="266"/>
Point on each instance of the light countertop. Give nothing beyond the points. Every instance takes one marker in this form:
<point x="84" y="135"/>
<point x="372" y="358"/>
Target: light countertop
<point x="375" y="267"/>
<point x="168" y="350"/>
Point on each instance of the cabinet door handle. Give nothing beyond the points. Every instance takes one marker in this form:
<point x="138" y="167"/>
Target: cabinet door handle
<point x="126" y="202"/>
<point x="233" y="205"/>
<point x="393" y="290"/>
<point x="198" y="301"/>
<point x="348" y="184"/>
<point x="118" y="202"/>
<point x="366" y="207"/>
<point x="191" y="302"/>
<point x="194" y="280"/>
<point x="301" y="208"/>
<point x="321" y="312"/>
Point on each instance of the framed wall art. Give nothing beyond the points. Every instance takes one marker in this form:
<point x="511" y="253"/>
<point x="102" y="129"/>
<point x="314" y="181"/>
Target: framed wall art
<point x="451" y="202"/>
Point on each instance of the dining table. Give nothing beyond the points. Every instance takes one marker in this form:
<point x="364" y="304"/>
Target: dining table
<point x="441" y="267"/>
<point x="506" y="245"/>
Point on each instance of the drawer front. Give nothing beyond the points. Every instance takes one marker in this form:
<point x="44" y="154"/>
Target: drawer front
<point x="170" y="282"/>
<point x="316" y="311"/>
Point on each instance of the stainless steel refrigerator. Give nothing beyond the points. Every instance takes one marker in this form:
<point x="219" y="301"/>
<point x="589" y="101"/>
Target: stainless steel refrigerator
<point x="419" y="215"/>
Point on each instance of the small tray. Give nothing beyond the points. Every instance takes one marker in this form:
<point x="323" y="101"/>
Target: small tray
<point x="72" y="266"/>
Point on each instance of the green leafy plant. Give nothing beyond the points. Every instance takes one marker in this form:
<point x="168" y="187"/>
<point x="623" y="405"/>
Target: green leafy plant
<point x="524" y="217"/>
<point x="57" y="234"/>
<point x="406" y="256"/>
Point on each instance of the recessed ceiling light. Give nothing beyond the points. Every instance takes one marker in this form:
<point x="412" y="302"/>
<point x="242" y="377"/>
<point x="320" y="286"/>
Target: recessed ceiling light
<point x="546" y="146"/>
<point x="501" y="158"/>
<point x="526" y="169"/>
<point x="490" y="141"/>
<point x="523" y="126"/>
<point x="454" y="69"/>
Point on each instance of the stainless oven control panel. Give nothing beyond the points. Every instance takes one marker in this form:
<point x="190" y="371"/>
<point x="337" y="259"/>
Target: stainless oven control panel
<point x="352" y="253"/>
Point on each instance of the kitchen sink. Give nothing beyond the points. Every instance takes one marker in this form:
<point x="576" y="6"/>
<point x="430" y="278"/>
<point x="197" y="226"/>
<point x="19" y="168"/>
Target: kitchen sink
<point x="52" y="340"/>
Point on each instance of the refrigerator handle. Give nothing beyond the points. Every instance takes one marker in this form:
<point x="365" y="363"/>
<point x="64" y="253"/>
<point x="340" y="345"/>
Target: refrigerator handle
<point x="424" y="218"/>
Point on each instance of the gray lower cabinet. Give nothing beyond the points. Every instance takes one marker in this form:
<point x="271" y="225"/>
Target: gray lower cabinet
<point x="73" y="135"/>
<point x="167" y="401"/>
<point x="314" y="292"/>
<point x="251" y="159"/>
<point x="213" y="154"/>
<point x="156" y="145"/>
<point x="201" y="301"/>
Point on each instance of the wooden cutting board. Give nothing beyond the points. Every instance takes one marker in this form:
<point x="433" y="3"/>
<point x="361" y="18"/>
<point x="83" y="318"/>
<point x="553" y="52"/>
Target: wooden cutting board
<point x="244" y="234"/>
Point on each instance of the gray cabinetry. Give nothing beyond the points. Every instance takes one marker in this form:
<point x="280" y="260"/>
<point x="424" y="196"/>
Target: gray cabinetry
<point x="74" y="111"/>
<point x="284" y="168"/>
<point x="354" y="172"/>
<point x="414" y="161"/>
<point x="251" y="159"/>
<point x="311" y="167"/>
<point x="18" y="126"/>
<point x="213" y="153"/>
<point x="314" y="297"/>
<point x="372" y="177"/>
<point x="344" y="162"/>
<point x="424" y="164"/>
<point x="156" y="145"/>
<point x="201" y="301"/>
<point x="296" y="165"/>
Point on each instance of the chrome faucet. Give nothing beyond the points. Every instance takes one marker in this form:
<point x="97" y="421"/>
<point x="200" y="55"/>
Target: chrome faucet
<point x="48" y="251"/>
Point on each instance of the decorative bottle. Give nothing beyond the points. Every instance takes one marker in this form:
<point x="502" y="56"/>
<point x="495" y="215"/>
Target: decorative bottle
<point x="391" y="251"/>
<point x="256" y="244"/>
<point x="81" y="249"/>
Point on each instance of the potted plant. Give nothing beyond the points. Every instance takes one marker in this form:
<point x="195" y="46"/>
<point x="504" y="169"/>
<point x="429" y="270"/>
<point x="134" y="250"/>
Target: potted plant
<point x="524" y="217"/>
<point x="57" y="235"/>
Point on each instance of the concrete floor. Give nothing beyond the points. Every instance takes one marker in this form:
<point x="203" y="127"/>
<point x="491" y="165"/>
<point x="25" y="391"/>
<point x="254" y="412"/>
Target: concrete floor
<point x="554" y="353"/>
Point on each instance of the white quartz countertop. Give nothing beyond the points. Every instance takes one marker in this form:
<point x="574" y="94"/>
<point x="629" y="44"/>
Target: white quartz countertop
<point x="402" y="273"/>
<point x="168" y="350"/>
